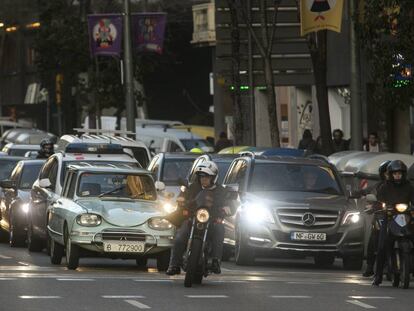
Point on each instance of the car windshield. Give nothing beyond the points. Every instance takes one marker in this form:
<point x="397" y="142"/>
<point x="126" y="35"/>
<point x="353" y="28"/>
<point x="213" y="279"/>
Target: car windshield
<point x="174" y="169"/>
<point x="29" y="175"/>
<point x="140" y="155"/>
<point x="194" y="143"/>
<point x="223" y="168"/>
<point x="66" y="164"/>
<point x="6" y="167"/>
<point x="131" y="186"/>
<point x="293" y="177"/>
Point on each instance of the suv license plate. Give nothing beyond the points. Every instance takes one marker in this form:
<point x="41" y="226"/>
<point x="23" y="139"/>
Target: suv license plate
<point x="124" y="247"/>
<point x="308" y="236"/>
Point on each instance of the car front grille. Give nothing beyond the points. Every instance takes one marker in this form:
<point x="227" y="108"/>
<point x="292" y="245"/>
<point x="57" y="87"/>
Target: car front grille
<point x="295" y="218"/>
<point x="123" y="235"/>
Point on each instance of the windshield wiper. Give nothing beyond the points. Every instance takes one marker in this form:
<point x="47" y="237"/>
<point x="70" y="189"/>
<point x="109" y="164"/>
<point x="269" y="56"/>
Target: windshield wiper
<point x="111" y="191"/>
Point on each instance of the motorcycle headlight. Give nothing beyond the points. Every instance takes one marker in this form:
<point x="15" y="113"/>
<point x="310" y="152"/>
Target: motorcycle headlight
<point x="401" y="208"/>
<point x="258" y="213"/>
<point x="351" y="218"/>
<point x="169" y="208"/>
<point x="25" y="208"/>
<point x="202" y="215"/>
<point x="158" y="223"/>
<point x="89" y="220"/>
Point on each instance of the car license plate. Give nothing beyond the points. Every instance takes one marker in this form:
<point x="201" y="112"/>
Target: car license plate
<point x="124" y="247"/>
<point x="308" y="236"/>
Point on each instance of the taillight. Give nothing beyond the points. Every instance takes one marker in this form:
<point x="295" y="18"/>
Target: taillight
<point x="363" y="184"/>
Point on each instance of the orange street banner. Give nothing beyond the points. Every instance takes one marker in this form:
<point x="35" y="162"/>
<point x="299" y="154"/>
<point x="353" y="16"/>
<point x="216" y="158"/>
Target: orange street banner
<point x="317" y="15"/>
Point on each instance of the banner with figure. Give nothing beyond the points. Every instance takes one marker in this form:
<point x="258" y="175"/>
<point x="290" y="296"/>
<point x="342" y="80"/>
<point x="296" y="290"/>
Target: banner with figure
<point x="317" y="15"/>
<point x="105" y="34"/>
<point x="148" y="31"/>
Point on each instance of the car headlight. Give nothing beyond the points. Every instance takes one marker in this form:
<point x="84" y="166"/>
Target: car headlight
<point x="89" y="220"/>
<point x="169" y="207"/>
<point x="158" y="223"/>
<point x="351" y="218"/>
<point x="258" y="213"/>
<point x="25" y="207"/>
<point x="203" y="215"/>
<point x="401" y="208"/>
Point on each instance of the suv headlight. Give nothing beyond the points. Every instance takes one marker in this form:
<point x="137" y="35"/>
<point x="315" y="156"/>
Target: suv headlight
<point x="351" y="218"/>
<point x="168" y="207"/>
<point x="158" y="223"/>
<point x="258" y="213"/>
<point x="89" y="220"/>
<point x="203" y="215"/>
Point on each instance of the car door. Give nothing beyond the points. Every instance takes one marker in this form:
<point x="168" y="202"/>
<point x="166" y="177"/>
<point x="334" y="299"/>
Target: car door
<point x="10" y="195"/>
<point x="42" y="197"/>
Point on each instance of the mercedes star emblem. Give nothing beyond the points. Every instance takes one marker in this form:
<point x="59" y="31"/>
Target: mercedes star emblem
<point x="308" y="219"/>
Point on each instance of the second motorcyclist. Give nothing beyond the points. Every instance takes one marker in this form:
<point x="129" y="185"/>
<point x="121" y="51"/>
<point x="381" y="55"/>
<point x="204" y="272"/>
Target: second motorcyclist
<point x="46" y="149"/>
<point x="394" y="191"/>
<point x="207" y="175"/>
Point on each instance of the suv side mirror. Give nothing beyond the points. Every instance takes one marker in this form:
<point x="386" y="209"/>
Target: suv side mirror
<point x="159" y="186"/>
<point x="232" y="187"/>
<point x="45" y="183"/>
<point x="371" y="198"/>
<point x="8" y="184"/>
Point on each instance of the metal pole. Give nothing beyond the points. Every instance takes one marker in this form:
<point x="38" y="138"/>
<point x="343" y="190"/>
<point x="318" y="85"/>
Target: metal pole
<point x="219" y="124"/>
<point x="251" y="81"/>
<point x="356" y="111"/>
<point x="129" y="78"/>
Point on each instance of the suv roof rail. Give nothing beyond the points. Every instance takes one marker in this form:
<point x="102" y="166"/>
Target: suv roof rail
<point x="102" y="131"/>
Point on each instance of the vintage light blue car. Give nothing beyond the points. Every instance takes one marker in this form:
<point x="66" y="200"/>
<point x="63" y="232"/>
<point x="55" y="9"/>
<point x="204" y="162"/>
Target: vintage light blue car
<point x="109" y="211"/>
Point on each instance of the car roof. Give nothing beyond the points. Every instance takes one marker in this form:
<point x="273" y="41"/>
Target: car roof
<point x="122" y="158"/>
<point x="34" y="161"/>
<point x="23" y="146"/>
<point x="107" y="168"/>
<point x="94" y="138"/>
<point x="180" y="155"/>
<point x="289" y="160"/>
<point x="166" y="132"/>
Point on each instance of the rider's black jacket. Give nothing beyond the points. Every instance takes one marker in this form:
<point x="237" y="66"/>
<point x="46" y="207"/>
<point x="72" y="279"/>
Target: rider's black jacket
<point x="391" y="193"/>
<point x="42" y="155"/>
<point x="220" y="199"/>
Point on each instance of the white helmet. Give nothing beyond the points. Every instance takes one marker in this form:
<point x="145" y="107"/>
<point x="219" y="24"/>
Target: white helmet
<point x="209" y="168"/>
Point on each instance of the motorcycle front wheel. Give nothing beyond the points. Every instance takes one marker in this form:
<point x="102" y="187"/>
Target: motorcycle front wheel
<point x="192" y="263"/>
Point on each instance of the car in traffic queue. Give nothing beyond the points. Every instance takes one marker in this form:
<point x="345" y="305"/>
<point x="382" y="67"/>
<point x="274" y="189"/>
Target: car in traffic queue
<point x="24" y="136"/>
<point x="293" y="206"/>
<point x="19" y="150"/>
<point x="14" y="205"/>
<point x="7" y="164"/>
<point x="48" y="186"/>
<point x="135" y="148"/>
<point x="111" y="211"/>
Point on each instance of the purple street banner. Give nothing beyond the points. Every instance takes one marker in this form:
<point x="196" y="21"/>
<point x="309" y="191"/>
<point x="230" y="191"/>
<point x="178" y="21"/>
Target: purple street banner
<point x="148" y="31"/>
<point x="105" y="34"/>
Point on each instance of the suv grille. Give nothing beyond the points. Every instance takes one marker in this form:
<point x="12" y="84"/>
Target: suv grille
<point x="307" y="218"/>
<point x="127" y="235"/>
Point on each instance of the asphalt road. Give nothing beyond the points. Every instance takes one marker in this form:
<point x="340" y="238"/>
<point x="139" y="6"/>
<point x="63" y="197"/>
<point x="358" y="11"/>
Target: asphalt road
<point x="29" y="282"/>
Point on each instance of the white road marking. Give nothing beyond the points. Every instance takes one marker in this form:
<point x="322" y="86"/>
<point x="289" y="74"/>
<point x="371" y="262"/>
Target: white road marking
<point x="122" y="297"/>
<point x="5" y="257"/>
<point x="291" y="297"/>
<point x="137" y="304"/>
<point x="8" y="279"/>
<point x="40" y="297"/>
<point x="371" y="297"/>
<point x="77" y="280"/>
<point x="207" y="296"/>
<point x="361" y="304"/>
<point x="24" y="263"/>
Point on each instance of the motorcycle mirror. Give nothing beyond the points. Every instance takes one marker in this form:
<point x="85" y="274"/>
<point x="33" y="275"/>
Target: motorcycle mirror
<point x="182" y="182"/>
<point x="159" y="185"/>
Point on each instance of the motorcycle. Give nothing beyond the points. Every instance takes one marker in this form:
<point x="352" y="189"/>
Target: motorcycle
<point x="196" y="262"/>
<point x="400" y="230"/>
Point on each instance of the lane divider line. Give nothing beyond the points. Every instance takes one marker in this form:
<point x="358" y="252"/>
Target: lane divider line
<point x="122" y="297"/>
<point x="8" y="279"/>
<point x="5" y="257"/>
<point x="291" y="297"/>
<point x="360" y="304"/>
<point x="76" y="280"/>
<point x="206" y="296"/>
<point x="371" y="297"/>
<point x="137" y="304"/>
<point x="40" y="297"/>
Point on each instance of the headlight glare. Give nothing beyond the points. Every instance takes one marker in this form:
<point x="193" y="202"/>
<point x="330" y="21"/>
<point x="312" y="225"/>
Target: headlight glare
<point x="158" y="223"/>
<point x="401" y="208"/>
<point x="89" y="220"/>
<point x="169" y="208"/>
<point x="258" y="213"/>
<point x="25" y="207"/>
<point x="203" y="215"/>
<point x="351" y="218"/>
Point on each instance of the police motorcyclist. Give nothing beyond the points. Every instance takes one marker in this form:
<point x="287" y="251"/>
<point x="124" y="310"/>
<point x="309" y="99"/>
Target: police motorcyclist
<point x="207" y="175"/>
<point x="373" y="239"/>
<point x="396" y="190"/>
<point x="46" y="149"/>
